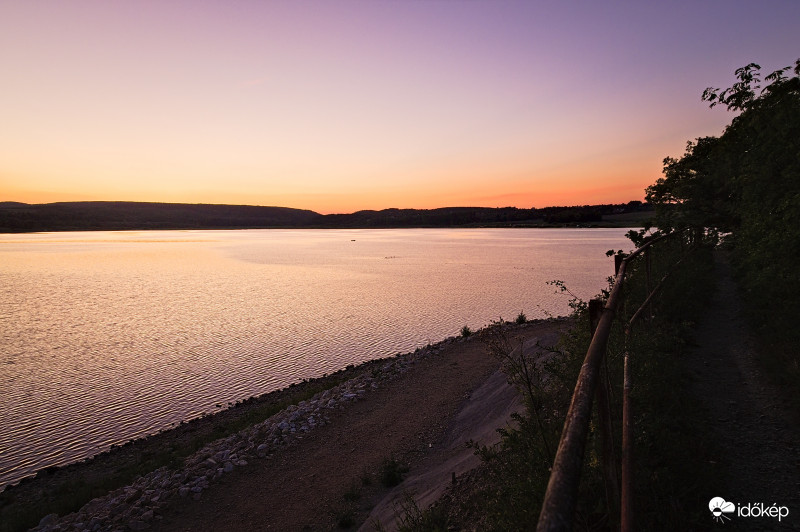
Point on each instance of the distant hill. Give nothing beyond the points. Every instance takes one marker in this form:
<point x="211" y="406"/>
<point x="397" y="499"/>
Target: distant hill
<point x="443" y="217"/>
<point x="106" y="215"/>
<point x="114" y="215"/>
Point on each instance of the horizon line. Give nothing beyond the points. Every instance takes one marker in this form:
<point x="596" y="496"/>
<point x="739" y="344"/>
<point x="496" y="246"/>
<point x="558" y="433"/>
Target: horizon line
<point x="320" y="213"/>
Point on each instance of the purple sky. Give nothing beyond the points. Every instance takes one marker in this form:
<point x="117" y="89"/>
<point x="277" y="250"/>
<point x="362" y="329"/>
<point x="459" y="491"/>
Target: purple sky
<point x="345" y="105"/>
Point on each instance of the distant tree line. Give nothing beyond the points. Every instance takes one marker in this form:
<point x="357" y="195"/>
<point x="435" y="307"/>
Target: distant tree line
<point x="83" y="216"/>
<point x="117" y="215"/>
<point x="746" y="184"/>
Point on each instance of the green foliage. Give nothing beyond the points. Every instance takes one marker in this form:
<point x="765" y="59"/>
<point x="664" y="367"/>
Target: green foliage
<point x="344" y="515"/>
<point x="413" y="519"/>
<point x="746" y="184"/>
<point x="742" y="95"/>
<point x="353" y="493"/>
<point x="516" y="472"/>
<point x="672" y="467"/>
<point x="466" y="331"/>
<point x="575" y="303"/>
<point x="672" y="449"/>
<point x="521" y="318"/>
<point x="528" y="373"/>
<point x="366" y="478"/>
<point x="391" y="472"/>
<point x="516" y="477"/>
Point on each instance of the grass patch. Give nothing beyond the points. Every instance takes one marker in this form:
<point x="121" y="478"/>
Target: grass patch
<point x="413" y="519"/>
<point x="391" y="472"/>
<point x="345" y="517"/>
<point x="353" y="493"/>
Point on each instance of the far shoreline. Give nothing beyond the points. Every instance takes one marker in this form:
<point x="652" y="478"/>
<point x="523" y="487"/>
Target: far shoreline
<point x="121" y="215"/>
<point x="599" y="225"/>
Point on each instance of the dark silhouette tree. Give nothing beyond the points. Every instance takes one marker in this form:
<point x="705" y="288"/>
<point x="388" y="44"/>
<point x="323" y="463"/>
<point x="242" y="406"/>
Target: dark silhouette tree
<point x="746" y="183"/>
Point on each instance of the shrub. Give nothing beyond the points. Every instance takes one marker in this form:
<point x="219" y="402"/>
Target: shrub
<point x="391" y="472"/>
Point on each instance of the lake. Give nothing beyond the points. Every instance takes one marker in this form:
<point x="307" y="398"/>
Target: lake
<point x="108" y="336"/>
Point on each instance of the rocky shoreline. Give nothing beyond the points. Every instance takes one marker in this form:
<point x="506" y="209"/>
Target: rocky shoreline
<point x="135" y="505"/>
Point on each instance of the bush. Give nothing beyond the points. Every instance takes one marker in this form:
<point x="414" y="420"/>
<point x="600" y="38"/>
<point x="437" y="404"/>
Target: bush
<point x="391" y="472"/>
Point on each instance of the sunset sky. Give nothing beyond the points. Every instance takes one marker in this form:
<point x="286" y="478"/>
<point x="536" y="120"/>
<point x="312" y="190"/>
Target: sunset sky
<point x="338" y="105"/>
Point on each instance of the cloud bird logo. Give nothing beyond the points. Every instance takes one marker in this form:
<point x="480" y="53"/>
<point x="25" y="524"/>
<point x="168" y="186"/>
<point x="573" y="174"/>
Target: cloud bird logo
<point x="719" y="507"/>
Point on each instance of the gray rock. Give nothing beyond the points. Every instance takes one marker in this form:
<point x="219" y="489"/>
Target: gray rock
<point x="49" y="519"/>
<point x="138" y="525"/>
<point x="222" y="456"/>
<point x="135" y="504"/>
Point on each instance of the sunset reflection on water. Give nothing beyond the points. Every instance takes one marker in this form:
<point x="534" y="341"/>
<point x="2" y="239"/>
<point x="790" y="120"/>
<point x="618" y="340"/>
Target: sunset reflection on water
<point x="109" y="336"/>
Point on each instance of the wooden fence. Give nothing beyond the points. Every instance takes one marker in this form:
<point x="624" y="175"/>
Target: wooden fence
<point x="558" y="508"/>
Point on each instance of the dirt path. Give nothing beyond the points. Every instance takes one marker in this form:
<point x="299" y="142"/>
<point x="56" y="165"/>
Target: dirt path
<point x="332" y="475"/>
<point x="760" y="442"/>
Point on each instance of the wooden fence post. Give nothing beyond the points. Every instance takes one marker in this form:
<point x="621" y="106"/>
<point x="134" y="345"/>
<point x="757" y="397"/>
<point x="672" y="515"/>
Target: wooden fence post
<point x="626" y="518"/>
<point x="602" y="396"/>
<point x="648" y="263"/>
<point x="618" y="258"/>
<point x="595" y="311"/>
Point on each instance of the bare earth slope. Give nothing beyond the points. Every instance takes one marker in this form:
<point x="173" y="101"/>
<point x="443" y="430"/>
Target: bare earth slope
<point x="331" y="476"/>
<point x="746" y="412"/>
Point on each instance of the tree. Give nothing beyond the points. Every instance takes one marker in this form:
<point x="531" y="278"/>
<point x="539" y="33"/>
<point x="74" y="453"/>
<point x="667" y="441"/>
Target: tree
<point x="747" y="183"/>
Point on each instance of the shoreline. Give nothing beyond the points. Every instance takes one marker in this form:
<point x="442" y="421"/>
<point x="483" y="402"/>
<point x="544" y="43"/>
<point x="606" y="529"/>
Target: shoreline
<point x="605" y="224"/>
<point x="125" y="215"/>
<point x="201" y="425"/>
<point x="122" y="465"/>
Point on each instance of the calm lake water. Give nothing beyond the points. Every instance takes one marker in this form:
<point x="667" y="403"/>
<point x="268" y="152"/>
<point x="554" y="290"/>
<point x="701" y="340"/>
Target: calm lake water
<point x="108" y="336"/>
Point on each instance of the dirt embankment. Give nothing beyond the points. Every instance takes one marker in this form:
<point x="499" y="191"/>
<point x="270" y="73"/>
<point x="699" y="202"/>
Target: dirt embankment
<point x="332" y="477"/>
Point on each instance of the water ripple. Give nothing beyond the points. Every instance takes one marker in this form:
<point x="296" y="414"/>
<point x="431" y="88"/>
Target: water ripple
<point x="111" y="336"/>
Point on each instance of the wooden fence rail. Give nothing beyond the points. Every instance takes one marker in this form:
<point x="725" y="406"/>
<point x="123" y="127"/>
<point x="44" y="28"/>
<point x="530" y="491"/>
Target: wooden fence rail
<point x="558" y="508"/>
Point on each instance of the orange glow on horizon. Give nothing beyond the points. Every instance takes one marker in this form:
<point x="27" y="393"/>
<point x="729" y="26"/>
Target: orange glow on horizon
<point x="364" y="105"/>
<point x="579" y="192"/>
